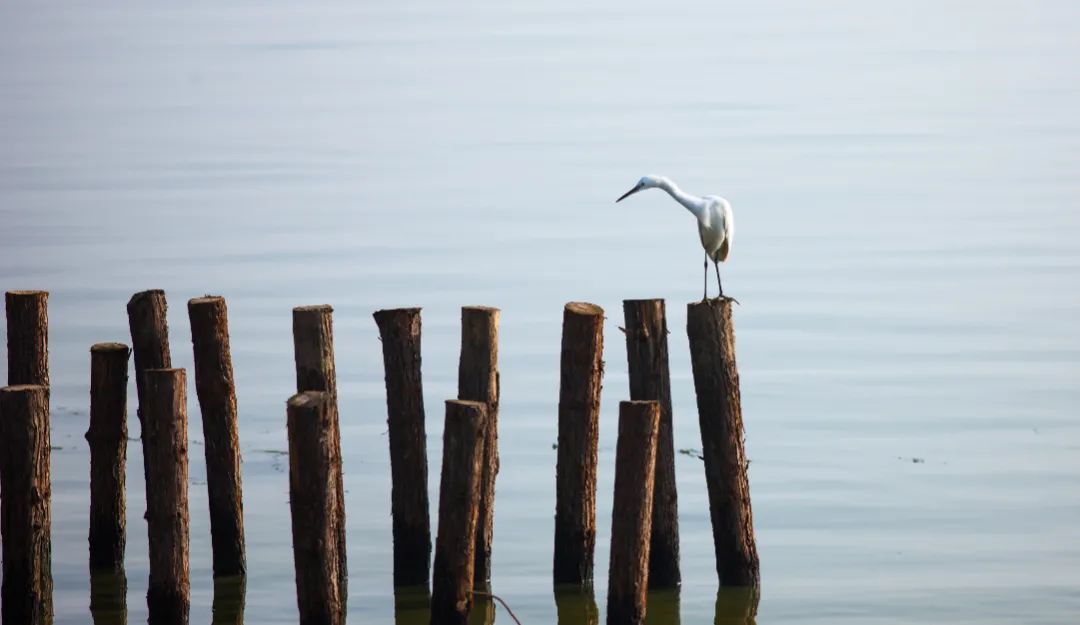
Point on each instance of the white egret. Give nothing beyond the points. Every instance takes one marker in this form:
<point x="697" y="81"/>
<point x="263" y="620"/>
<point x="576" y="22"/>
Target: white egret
<point x="716" y="223"/>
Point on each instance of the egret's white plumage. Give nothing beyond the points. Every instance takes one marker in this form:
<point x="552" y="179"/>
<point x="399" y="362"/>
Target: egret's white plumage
<point x="716" y="223"/>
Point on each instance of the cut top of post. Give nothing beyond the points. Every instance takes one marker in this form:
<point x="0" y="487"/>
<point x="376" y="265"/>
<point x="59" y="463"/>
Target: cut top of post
<point x="109" y="347"/>
<point x="584" y="308"/>
<point x="307" y="399"/>
<point x="205" y="300"/>
<point x="141" y="295"/>
<point x="30" y="293"/>
<point x="316" y="308"/>
<point x="465" y="403"/>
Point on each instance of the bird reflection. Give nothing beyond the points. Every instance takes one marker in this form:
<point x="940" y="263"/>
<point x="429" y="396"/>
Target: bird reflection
<point x="229" y="595"/>
<point x="737" y="606"/>
<point x="108" y="597"/>
<point x="576" y="606"/>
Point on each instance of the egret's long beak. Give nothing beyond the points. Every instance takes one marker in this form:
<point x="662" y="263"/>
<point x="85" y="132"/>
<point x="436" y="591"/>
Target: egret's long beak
<point x="629" y="193"/>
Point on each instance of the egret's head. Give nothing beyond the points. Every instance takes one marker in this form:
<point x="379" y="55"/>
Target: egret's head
<point x="646" y="182"/>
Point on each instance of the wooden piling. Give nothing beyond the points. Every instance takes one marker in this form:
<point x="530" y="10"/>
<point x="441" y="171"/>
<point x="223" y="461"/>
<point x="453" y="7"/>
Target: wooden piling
<point x="399" y="330"/>
<point x="581" y="378"/>
<point x="26" y="508"/>
<point x="635" y="466"/>
<point x="27" y="337"/>
<point x="216" y="389"/>
<point x="149" y="328"/>
<point x="165" y="448"/>
<point x="716" y="382"/>
<point x="647" y="356"/>
<point x="107" y="436"/>
<point x="459" y="501"/>
<point x="313" y="343"/>
<point x="313" y="501"/>
<point x="478" y="380"/>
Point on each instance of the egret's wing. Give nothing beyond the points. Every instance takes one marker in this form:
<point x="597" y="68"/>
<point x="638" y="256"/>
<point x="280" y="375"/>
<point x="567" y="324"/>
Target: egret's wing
<point x="721" y="254"/>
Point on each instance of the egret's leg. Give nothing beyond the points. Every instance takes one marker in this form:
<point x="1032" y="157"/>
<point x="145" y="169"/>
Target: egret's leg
<point x="718" y="285"/>
<point x="705" y="295"/>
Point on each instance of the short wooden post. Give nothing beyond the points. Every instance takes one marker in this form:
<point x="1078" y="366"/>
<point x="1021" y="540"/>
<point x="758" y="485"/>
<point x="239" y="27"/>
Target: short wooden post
<point x="459" y="501"/>
<point x="635" y="466"/>
<point x="165" y="449"/>
<point x="581" y="378"/>
<point x="478" y="380"/>
<point x="149" y="344"/>
<point x="216" y="388"/>
<point x="647" y="356"/>
<point x="107" y="437"/>
<point x="313" y="501"/>
<point x="108" y="597"/>
<point x="27" y="337"/>
<point x="26" y="508"/>
<point x="716" y="382"/>
<point x="399" y="330"/>
<point x="313" y="344"/>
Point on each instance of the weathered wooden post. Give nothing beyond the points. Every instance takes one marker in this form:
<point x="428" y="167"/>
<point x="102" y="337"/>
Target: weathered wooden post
<point x="478" y="380"/>
<point x="459" y="502"/>
<point x="313" y="343"/>
<point x="647" y="356"/>
<point x="313" y="501"/>
<point x="716" y="382"/>
<point x="635" y="466"/>
<point x="27" y="337"/>
<point x="399" y="330"/>
<point x="26" y="508"/>
<point x="581" y="378"/>
<point x="107" y="436"/>
<point x="216" y="388"/>
<point x="149" y="344"/>
<point x="165" y="449"/>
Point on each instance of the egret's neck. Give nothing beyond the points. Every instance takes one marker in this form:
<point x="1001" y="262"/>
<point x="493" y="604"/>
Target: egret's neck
<point x="692" y="203"/>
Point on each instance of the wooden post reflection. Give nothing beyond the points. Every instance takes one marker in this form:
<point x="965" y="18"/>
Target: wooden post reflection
<point x="575" y="605"/>
<point x="663" y="607"/>
<point x="108" y="597"/>
<point x="736" y="605"/>
<point x="229" y="594"/>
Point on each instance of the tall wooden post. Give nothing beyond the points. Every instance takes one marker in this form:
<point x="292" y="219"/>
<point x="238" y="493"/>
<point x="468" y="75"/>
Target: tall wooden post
<point x="27" y="337"/>
<point x="165" y="448"/>
<point x="107" y="437"/>
<point x="149" y="344"/>
<point x="459" y="501"/>
<point x="581" y="378"/>
<point x="635" y="466"/>
<point x="313" y="501"/>
<point x="216" y="388"/>
<point x="313" y="342"/>
<point x="26" y="508"/>
<point x="399" y="330"/>
<point x="647" y="356"/>
<point x="716" y="382"/>
<point x="478" y="380"/>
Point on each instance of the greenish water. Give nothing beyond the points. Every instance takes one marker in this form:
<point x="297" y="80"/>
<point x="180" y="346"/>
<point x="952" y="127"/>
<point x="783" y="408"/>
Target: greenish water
<point x="904" y="182"/>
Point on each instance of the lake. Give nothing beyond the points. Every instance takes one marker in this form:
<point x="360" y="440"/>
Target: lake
<point x="904" y="181"/>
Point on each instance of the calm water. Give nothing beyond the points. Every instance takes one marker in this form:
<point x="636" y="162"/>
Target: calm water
<point x="904" y="180"/>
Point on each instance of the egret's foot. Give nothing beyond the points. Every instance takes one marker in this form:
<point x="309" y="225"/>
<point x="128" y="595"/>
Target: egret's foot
<point x="727" y="298"/>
